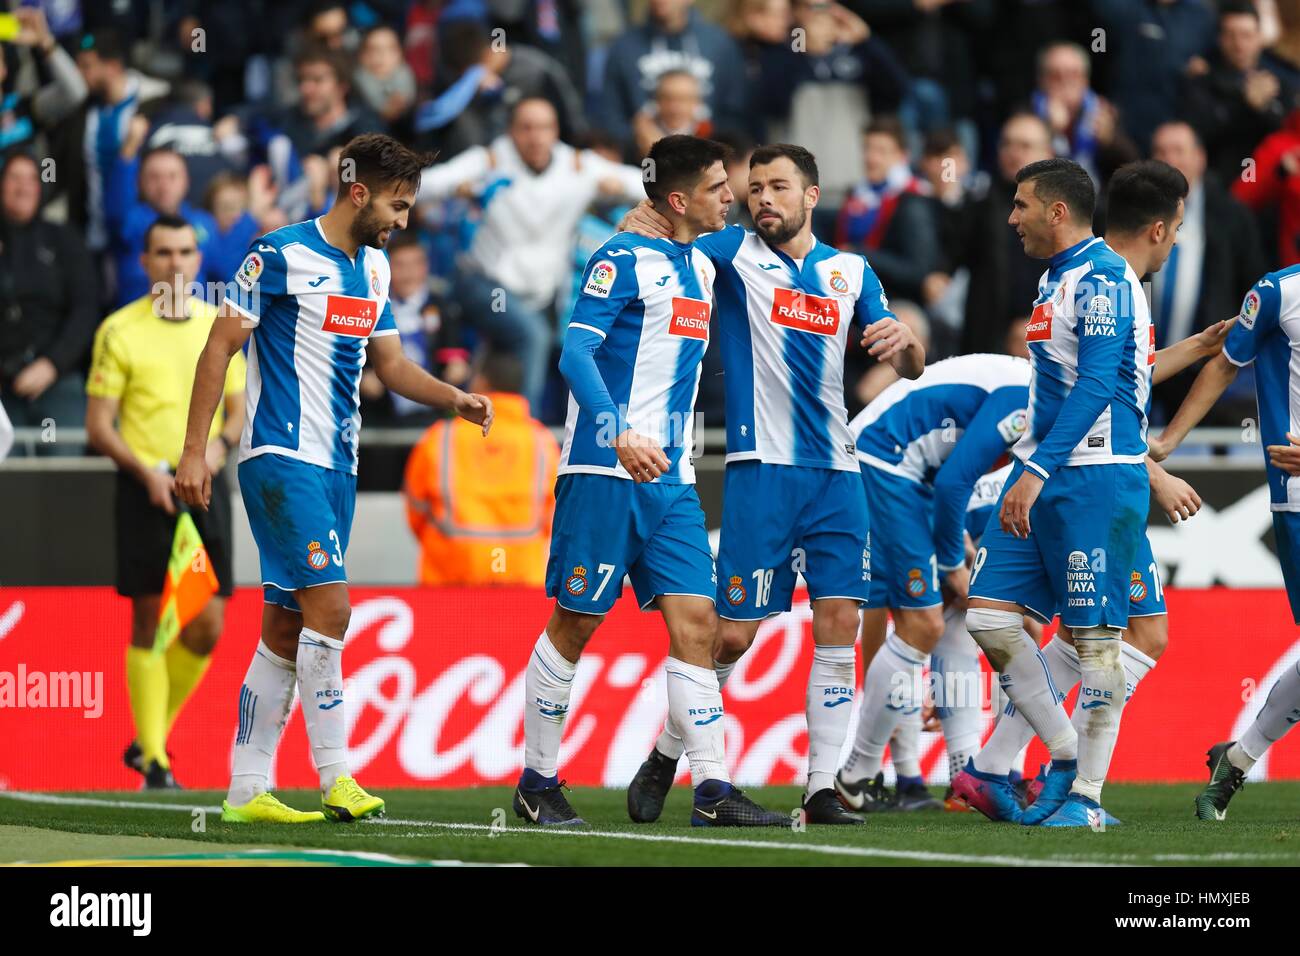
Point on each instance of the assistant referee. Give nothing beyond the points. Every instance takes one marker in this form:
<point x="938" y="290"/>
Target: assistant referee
<point x="142" y="372"/>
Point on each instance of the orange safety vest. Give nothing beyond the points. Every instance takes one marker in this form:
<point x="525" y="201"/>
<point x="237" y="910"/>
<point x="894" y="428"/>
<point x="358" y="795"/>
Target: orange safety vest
<point x="482" y="507"/>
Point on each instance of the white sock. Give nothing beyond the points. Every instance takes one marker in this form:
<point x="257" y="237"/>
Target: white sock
<point x="829" y="708"/>
<point x="1103" y="688"/>
<point x="1280" y="713"/>
<point x="547" y="683"/>
<point x="1136" y="666"/>
<point x="891" y="687"/>
<point x="265" y="701"/>
<point x="669" y="742"/>
<point x="320" y="683"/>
<point x="905" y="745"/>
<point x="1025" y="678"/>
<point x="956" y="678"/>
<point x="695" y="705"/>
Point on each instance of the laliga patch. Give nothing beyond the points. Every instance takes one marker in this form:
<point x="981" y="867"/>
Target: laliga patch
<point x="1151" y="345"/>
<point x="690" y="318"/>
<point x="317" y="559"/>
<point x="1039" y="328"/>
<point x="349" y="315"/>
<point x="601" y="280"/>
<point x="804" y="312"/>
<point x="1013" y="426"/>
<point x="1099" y="320"/>
<point x="1250" y="309"/>
<point x="249" y="271"/>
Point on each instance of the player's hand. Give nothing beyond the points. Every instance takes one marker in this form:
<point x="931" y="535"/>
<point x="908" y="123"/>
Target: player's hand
<point x="1158" y="448"/>
<point x="475" y="408"/>
<point x="1175" y="497"/>
<point x="643" y="459"/>
<point x="1209" y="341"/>
<point x="158" y="486"/>
<point x="930" y="722"/>
<point x="643" y="220"/>
<point x="1016" y="503"/>
<point x="193" y="482"/>
<point x="885" y="338"/>
<point x="957" y="582"/>
<point x="33" y="380"/>
<point x="1286" y="457"/>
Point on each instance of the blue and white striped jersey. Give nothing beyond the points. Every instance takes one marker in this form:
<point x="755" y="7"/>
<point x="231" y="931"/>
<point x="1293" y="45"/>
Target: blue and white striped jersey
<point x="784" y="325"/>
<point x="946" y="429"/>
<point x="312" y="309"/>
<point x="1091" y="345"/>
<point x="1266" y="333"/>
<point x="632" y="353"/>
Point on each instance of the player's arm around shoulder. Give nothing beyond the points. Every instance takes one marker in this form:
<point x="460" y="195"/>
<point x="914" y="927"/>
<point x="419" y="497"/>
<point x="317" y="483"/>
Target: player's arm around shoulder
<point x="399" y="374"/>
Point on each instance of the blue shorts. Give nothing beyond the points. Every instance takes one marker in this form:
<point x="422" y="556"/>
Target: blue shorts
<point x="1146" y="592"/>
<point x="301" y="519"/>
<point x="1078" y="559"/>
<point x="782" y="520"/>
<point x="608" y="527"/>
<point x="1286" y="537"/>
<point x="904" y="569"/>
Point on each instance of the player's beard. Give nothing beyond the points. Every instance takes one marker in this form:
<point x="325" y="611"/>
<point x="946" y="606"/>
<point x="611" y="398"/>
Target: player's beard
<point x="366" y="228"/>
<point x="780" y="233"/>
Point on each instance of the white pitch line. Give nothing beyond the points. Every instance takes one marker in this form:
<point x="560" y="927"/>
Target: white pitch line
<point x="923" y="856"/>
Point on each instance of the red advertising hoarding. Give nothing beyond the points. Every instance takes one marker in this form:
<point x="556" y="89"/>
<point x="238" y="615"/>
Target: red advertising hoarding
<point x="435" y="692"/>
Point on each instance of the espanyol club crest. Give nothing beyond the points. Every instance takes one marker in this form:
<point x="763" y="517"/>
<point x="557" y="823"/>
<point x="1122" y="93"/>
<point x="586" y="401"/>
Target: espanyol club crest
<point x="915" y="583"/>
<point x="735" y="591"/>
<point x="374" y="280"/>
<point x="577" y="583"/>
<point x="317" y="559"/>
<point x="1137" y="590"/>
<point x="838" y="283"/>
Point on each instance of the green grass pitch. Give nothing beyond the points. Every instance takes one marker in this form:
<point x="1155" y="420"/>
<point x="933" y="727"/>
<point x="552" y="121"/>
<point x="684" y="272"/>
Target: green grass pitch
<point x="477" y="826"/>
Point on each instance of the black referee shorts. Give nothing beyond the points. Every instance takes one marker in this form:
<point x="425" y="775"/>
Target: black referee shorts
<point x="145" y="533"/>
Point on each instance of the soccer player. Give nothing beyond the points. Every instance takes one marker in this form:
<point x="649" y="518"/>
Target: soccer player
<point x="792" y="494"/>
<point x="1267" y="329"/>
<point x="922" y="445"/>
<point x="625" y="500"/>
<point x="1071" y="515"/>
<point x="313" y="297"/>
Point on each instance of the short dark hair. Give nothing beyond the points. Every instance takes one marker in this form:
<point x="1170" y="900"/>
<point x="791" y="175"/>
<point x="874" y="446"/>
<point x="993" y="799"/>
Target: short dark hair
<point x="336" y="60"/>
<point x="941" y="141"/>
<point x="1062" y="180"/>
<point x="404" y="239"/>
<point x="739" y="142"/>
<point x="803" y="160"/>
<point x="379" y="161"/>
<point x="678" y="162"/>
<point x="1141" y="193"/>
<point x="166" y="222"/>
<point x="106" y="44"/>
<point x="890" y="126"/>
<point x="1230" y="8"/>
<point x="503" y="370"/>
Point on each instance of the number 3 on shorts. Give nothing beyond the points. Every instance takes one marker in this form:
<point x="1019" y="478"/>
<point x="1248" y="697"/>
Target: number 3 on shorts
<point x="338" y="550"/>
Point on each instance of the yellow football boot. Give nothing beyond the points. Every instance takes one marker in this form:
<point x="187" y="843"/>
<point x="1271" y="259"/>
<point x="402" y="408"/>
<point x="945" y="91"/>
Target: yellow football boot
<point x="347" y="802"/>
<point x="265" y="808"/>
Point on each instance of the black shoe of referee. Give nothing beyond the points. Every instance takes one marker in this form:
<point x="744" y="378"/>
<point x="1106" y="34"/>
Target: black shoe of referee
<point x="158" y="777"/>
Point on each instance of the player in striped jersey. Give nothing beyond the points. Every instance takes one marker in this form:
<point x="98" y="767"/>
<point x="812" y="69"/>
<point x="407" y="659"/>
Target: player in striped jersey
<point x="1266" y="335"/>
<point x="311" y="301"/>
<point x="625" y="501"/>
<point x="792" y="498"/>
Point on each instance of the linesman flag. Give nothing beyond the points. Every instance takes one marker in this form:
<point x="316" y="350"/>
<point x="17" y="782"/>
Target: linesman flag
<point x="190" y="583"/>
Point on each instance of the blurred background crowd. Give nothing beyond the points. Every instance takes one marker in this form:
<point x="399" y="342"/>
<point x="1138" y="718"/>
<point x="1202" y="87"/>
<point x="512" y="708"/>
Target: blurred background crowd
<point x="230" y="113"/>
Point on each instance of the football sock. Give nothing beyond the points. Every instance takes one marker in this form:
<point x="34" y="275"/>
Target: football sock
<point x="891" y="687"/>
<point x="1280" y="713"/>
<point x="905" y="746"/>
<point x="956" y="680"/>
<point x="185" y="670"/>
<point x="265" y="701"/>
<point x="547" y="683"/>
<point x="1103" y="688"/>
<point x="146" y="684"/>
<point x="695" y="705"/>
<point x="670" y="742"/>
<point x="829" y="707"/>
<point x="320" y="684"/>
<point x="1013" y="733"/>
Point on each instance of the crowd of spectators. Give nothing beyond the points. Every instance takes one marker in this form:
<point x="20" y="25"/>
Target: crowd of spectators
<point x="231" y="113"/>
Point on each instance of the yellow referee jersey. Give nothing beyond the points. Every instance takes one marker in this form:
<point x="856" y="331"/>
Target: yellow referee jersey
<point x="147" y="363"/>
